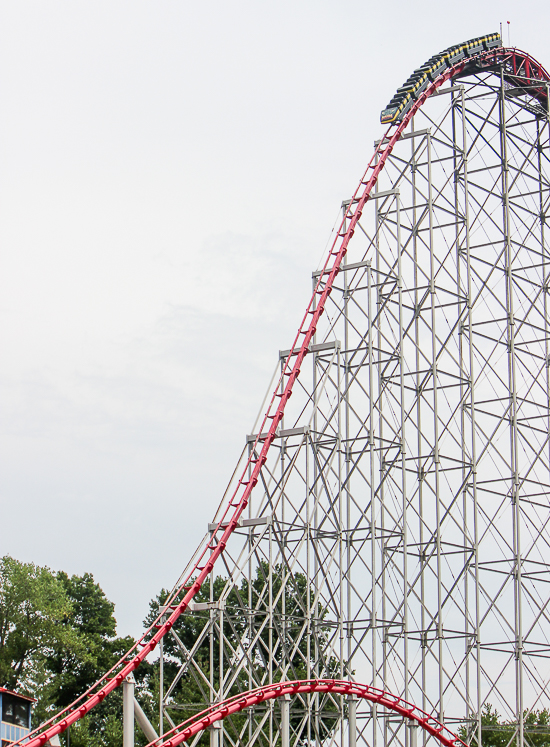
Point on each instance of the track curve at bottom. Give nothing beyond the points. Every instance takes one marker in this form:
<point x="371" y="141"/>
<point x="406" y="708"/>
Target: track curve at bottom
<point x="200" y="721"/>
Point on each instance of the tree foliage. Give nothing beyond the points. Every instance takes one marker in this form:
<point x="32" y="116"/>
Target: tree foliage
<point x="92" y="618"/>
<point x="33" y="610"/>
<point x="57" y="637"/>
<point x="497" y="732"/>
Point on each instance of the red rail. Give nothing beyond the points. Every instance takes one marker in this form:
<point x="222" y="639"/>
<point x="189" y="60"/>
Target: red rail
<point x="219" y="711"/>
<point x="516" y="62"/>
<point x="521" y="70"/>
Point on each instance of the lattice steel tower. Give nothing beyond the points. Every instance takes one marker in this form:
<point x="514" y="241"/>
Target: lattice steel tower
<point x="399" y="534"/>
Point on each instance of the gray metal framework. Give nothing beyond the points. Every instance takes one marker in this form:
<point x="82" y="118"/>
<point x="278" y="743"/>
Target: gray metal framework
<point x="400" y="534"/>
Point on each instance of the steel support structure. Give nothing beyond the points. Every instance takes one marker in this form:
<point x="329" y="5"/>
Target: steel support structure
<point x="399" y="532"/>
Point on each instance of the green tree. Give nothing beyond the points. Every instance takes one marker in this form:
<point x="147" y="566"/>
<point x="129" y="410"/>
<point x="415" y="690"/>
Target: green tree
<point x="70" y="675"/>
<point x="497" y="732"/>
<point x="536" y="728"/>
<point x="57" y="637"/>
<point x="33" y="608"/>
<point x="92" y="617"/>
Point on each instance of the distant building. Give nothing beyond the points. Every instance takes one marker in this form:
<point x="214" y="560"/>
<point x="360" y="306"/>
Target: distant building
<point x="16" y="716"/>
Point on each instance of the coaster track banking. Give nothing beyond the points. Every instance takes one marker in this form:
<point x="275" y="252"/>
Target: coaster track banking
<point x="527" y="77"/>
<point x="237" y="703"/>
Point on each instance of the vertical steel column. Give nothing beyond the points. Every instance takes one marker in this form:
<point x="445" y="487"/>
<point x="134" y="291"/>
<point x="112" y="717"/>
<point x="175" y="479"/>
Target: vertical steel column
<point x="347" y="446"/>
<point x="512" y="406"/>
<point x="459" y="156"/>
<point x="340" y="522"/>
<point x="221" y="694"/>
<point x="462" y="233"/>
<point x="282" y="621"/>
<point x="317" y="512"/>
<point x="378" y="494"/>
<point x="545" y="279"/>
<point x="161" y="686"/>
<point x="436" y="426"/>
<point x="128" y="711"/>
<point x="214" y="731"/>
<point x="250" y="625"/>
<point x="348" y="534"/>
<point x="352" y="722"/>
<point x="285" y="721"/>
<point x="372" y="497"/>
<point x="403" y="454"/>
<point x="270" y="630"/>
<point x="418" y="425"/>
<point x="476" y="643"/>
<point x="214" y="737"/>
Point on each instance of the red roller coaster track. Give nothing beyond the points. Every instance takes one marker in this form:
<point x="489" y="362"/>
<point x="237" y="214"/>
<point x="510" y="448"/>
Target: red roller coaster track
<point x="519" y="69"/>
<point x="219" y="711"/>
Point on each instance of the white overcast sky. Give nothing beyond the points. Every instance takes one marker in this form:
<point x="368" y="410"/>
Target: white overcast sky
<point x="170" y="172"/>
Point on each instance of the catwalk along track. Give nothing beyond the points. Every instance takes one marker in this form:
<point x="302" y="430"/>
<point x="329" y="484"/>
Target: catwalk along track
<point x="482" y="80"/>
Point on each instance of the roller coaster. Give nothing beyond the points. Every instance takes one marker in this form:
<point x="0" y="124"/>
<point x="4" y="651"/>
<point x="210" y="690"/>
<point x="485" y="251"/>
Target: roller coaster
<point x="390" y="524"/>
